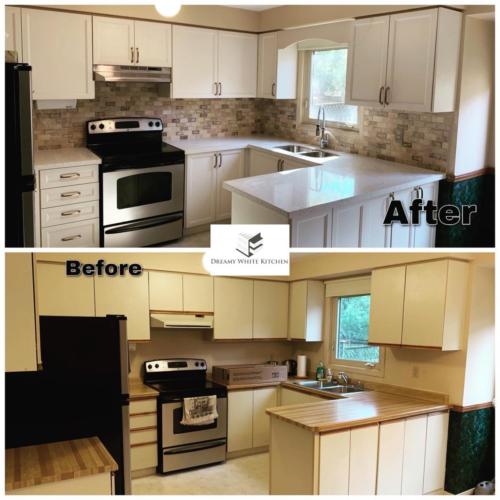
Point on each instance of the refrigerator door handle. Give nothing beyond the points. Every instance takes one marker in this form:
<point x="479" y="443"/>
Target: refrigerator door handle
<point x="25" y="123"/>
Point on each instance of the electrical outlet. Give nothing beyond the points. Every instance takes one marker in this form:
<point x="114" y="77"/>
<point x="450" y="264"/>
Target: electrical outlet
<point x="415" y="371"/>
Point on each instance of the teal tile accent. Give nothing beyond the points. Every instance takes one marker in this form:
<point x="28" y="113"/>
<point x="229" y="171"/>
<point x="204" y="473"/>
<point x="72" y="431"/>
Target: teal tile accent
<point x="471" y="449"/>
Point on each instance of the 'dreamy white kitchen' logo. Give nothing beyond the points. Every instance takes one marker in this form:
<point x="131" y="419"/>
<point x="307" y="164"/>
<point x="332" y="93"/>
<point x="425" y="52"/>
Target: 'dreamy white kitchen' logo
<point x="248" y="250"/>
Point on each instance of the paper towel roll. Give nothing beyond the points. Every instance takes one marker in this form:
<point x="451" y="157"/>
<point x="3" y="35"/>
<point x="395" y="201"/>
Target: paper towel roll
<point x="301" y="365"/>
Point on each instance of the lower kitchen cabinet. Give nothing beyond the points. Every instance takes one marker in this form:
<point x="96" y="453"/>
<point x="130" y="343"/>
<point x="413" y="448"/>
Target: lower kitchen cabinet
<point x="435" y="451"/>
<point x="262" y="399"/>
<point x="414" y="455"/>
<point x="267" y="163"/>
<point x="363" y="460"/>
<point x="334" y="450"/>
<point x="143" y="434"/>
<point x="390" y="457"/>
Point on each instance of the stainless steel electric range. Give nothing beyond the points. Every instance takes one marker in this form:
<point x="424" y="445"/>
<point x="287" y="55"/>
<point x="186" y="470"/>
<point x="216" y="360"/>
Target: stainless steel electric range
<point x="141" y="182"/>
<point x="185" y="446"/>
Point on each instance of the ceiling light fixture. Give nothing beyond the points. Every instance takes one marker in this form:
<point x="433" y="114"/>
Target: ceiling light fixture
<point x="168" y="8"/>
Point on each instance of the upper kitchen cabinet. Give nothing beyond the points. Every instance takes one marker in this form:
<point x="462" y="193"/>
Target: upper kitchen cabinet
<point x="128" y="295"/>
<point x="270" y="310"/>
<point x="406" y="61"/>
<point x="211" y="63"/>
<point x="198" y="293"/>
<point x="13" y="40"/>
<point x="127" y="42"/>
<point x="277" y="69"/>
<point x="61" y="62"/>
<point x="20" y="315"/>
<point x="305" y="317"/>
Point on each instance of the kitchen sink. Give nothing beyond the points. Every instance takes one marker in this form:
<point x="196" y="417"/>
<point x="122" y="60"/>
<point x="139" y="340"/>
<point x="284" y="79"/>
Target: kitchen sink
<point x="318" y="154"/>
<point x="342" y="389"/>
<point x="314" y="384"/>
<point x="329" y="386"/>
<point x="294" y="148"/>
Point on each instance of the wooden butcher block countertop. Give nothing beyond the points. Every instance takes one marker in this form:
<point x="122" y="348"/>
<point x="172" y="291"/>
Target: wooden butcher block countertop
<point x="357" y="410"/>
<point x="48" y="463"/>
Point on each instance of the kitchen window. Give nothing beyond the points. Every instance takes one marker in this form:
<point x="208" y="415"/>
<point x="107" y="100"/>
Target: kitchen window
<point x="324" y="85"/>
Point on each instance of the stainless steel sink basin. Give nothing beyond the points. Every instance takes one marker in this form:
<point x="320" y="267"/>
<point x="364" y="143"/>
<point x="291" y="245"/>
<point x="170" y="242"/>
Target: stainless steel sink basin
<point x="294" y="148"/>
<point x="342" y="389"/>
<point x="329" y="386"/>
<point x="313" y="384"/>
<point x="318" y="154"/>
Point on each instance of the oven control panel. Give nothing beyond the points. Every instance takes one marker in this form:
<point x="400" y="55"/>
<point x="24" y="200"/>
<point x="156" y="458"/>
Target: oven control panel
<point x="113" y="125"/>
<point x="174" y="365"/>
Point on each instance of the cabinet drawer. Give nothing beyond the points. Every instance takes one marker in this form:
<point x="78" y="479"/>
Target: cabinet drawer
<point x="69" y="176"/>
<point x="139" y="421"/>
<point x="74" y="234"/>
<point x="146" y="436"/>
<point x="71" y="213"/>
<point x="144" y="456"/>
<point x="143" y="406"/>
<point x="56" y="197"/>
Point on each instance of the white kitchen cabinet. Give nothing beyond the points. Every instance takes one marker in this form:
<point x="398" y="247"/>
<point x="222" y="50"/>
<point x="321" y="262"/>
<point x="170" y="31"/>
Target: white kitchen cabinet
<point x="334" y="451"/>
<point x="400" y="235"/>
<point x="435" y="452"/>
<point x="312" y="229"/>
<point x="62" y="62"/>
<point x="262" y="163"/>
<point x="277" y="69"/>
<point x="414" y="455"/>
<point x="387" y="289"/>
<point x="290" y="164"/>
<point x="127" y="42"/>
<point x="406" y="61"/>
<point x="372" y="233"/>
<point x="264" y="398"/>
<point x="233" y="308"/>
<point x="239" y="420"/>
<point x="390" y="457"/>
<point x="346" y="234"/>
<point x="231" y="166"/>
<point x="423" y="235"/>
<point x="292" y="397"/>
<point x="270" y="310"/>
<point x="60" y="295"/>
<point x="20" y="314"/>
<point x="363" y="460"/>
<point x="165" y="291"/>
<point x="305" y="319"/>
<point x="198" y="293"/>
<point x="13" y="39"/>
<point x="127" y="295"/>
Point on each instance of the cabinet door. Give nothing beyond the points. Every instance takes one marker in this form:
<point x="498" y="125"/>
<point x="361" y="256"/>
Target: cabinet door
<point x="233" y="308"/>
<point x="113" y="40"/>
<point x="312" y="229"/>
<point x="153" y="44"/>
<point x="373" y="233"/>
<point x="291" y="397"/>
<point x="368" y="61"/>
<point x="237" y="64"/>
<point x="390" y="457"/>
<point x="401" y="234"/>
<point x="270" y="310"/>
<point x="126" y="295"/>
<point x="165" y="291"/>
<point x="262" y="163"/>
<point x="297" y="310"/>
<point x="231" y="166"/>
<point x="363" y="460"/>
<point x="195" y="62"/>
<point x="410" y="63"/>
<point x="13" y="31"/>
<point x="239" y="420"/>
<point x="334" y="463"/>
<point x="346" y="226"/>
<point x="268" y="49"/>
<point x="198" y="292"/>
<point x="293" y="164"/>
<point x="424" y="304"/>
<point x="423" y="234"/>
<point x="61" y="62"/>
<point x="305" y="318"/>
<point x="262" y="399"/>
<point x="435" y="451"/>
<point x="386" y="305"/>
<point x="286" y="73"/>
<point x="414" y="455"/>
<point x="20" y="329"/>
<point x="201" y="178"/>
<point x="60" y="295"/>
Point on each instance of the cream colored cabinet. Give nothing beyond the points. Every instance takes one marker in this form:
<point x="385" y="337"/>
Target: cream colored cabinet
<point x="206" y="199"/>
<point x="334" y="451"/>
<point x="292" y="397"/>
<point x="127" y="42"/>
<point x="406" y="61"/>
<point x="264" y="398"/>
<point x="363" y="460"/>
<point x="20" y="314"/>
<point x="165" y="291"/>
<point x="13" y="39"/>
<point x="277" y="69"/>
<point x="390" y="457"/>
<point x="198" y="293"/>
<point x="240" y="420"/>
<point x="61" y="295"/>
<point x="270" y="310"/>
<point x="127" y="295"/>
<point x="412" y="475"/>
<point x="305" y="317"/>
<point x="61" y="62"/>
<point x="435" y="452"/>
<point x="233" y="308"/>
<point x="143" y="436"/>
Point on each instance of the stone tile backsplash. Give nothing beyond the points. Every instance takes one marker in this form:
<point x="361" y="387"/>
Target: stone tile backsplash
<point x="421" y="139"/>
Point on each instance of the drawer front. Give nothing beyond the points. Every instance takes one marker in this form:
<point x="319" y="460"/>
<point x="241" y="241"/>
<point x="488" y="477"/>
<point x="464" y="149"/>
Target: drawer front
<point x="144" y="456"/>
<point x="143" y="406"/>
<point x="139" y="421"/>
<point x="68" y="176"/>
<point x="71" y="213"/>
<point x="74" y="234"/>
<point x="146" y="436"/>
<point x="56" y="197"/>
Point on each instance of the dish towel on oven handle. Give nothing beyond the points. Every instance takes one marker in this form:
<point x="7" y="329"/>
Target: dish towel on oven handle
<point x="201" y="410"/>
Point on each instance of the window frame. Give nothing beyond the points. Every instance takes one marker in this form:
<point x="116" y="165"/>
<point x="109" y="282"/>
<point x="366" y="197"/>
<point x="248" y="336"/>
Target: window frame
<point x="304" y="92"/>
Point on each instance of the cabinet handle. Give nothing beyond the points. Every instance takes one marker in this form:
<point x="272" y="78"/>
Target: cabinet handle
<point x="71" y="194"/>
<point x="386" y="95"/>
<point x="70" y="238"/>
<point x="69" y="176"/>
<point x="70" y="212"/>
<point x="421" y="193"/>
<point x="381" y="102"/>
<point x="215" y="158"/>
<point x="216" y="88"/>
<point x="220" y="160"/>
<point x="131" y="54"/>
<point x="273" y="90"/>
<point x="220" y="88"/>
<point x="137" y="54"/>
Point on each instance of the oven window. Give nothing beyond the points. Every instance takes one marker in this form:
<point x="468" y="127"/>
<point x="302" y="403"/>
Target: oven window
<point x="144" y="189"/>
<point x="181" y="429"/>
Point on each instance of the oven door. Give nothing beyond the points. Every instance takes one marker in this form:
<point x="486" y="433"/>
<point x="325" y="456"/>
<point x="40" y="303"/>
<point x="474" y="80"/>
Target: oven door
<point x="138" y="193"/>
<point x="175" y="434"/>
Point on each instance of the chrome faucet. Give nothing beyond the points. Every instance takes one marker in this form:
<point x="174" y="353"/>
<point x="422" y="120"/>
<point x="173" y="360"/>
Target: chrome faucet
<point x="342" y="376"/>
<point x="321" y="127"/>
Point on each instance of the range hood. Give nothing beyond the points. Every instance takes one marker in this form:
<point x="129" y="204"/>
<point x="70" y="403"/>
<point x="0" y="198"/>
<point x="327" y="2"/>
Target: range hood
<point x="171" y="320"/>
<point x="139" y="74"/>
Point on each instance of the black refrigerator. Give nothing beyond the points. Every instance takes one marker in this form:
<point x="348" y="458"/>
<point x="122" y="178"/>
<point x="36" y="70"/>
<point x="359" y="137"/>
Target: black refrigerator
<point x="81" y="390"/>
<point x="19" y="175"/>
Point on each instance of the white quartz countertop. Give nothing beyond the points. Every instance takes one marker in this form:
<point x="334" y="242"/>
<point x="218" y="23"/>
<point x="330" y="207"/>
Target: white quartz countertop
<point x="66" y="157"/>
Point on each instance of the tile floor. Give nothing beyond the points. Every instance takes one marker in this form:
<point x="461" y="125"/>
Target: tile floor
<point x="200" y="240"/>
<point x="238" y="476"/>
